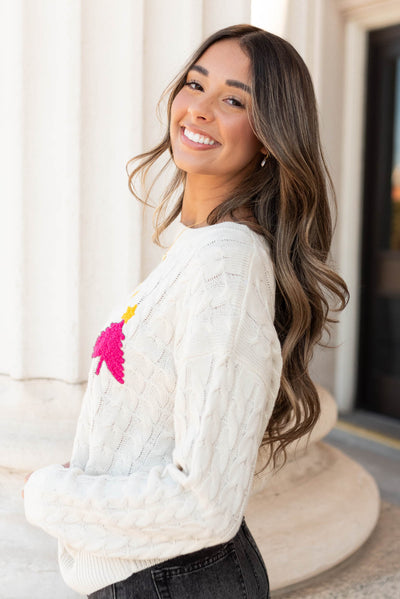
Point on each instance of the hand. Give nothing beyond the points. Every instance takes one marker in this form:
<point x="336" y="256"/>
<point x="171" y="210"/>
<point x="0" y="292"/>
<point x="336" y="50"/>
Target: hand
<point x="25" y="481"/>
<point x="66" y="465"/>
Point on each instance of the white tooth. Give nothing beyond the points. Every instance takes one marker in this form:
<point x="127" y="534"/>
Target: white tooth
<point x="196" y="137"/>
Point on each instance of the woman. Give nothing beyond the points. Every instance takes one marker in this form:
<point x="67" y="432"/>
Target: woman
<point x="207" y="360"/>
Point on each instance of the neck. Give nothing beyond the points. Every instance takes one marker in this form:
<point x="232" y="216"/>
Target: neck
<point x="202" y="194"/>
<point x="201" y="197"/>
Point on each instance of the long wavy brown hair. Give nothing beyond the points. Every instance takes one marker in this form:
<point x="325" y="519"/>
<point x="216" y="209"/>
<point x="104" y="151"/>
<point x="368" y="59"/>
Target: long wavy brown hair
<point x="288" y="198"/>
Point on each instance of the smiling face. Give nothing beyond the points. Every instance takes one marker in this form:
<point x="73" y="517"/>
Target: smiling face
<point x="210" y="129"/>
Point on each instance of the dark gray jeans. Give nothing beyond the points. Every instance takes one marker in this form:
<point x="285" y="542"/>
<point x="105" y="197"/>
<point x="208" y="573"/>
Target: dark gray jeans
<point x="232" y="570"/>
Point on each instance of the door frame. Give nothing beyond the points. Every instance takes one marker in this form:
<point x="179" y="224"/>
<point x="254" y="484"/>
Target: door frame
<point x="377" y="256"/>
<point x="360" y="18"/>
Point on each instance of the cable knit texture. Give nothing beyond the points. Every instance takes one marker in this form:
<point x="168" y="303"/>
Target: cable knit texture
<point x="183" y="380"/>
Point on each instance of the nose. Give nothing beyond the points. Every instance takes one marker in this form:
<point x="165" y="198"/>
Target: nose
<point x="201" y="108"/>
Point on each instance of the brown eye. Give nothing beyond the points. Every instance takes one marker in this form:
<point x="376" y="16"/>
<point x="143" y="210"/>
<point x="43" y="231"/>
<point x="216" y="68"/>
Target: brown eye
<point x="235" y="102"/>
<point x="195" y="85"/>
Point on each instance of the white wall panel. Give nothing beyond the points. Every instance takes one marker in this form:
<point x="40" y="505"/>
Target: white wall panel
<point x="223" y="13"/>
<point x="111" y="132"/>
<point x="42" y="145"/>
<point x="73" y="118"/>
<point x="51" y="153"/>
<point x="11" y="176"/>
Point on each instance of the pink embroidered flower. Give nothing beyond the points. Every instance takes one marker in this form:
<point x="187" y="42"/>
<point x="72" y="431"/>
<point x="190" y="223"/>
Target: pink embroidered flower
<point x="109" y="347"/>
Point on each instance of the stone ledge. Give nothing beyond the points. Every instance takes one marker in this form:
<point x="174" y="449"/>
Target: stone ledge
<point x="315" y="512"/>
<point x="373" y="571"/>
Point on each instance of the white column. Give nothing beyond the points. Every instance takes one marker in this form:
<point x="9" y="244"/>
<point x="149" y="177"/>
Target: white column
<point x="73" y="117"/>
<point x="217" y="15"/>
<point x="40" y="173"/>
<point x="349" y="238"/>
<point x="111" y="133"/>
<point x="11" y="251"/>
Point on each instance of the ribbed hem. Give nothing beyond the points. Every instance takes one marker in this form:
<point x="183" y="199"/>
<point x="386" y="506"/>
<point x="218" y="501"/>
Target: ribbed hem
<point x="86" y="573"/>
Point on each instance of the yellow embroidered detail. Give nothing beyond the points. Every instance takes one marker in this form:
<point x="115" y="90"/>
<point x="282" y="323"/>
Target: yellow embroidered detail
<point x="129" y="313"/>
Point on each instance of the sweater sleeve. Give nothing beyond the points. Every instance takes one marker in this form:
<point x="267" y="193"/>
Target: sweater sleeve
<point x="228" y="365"/>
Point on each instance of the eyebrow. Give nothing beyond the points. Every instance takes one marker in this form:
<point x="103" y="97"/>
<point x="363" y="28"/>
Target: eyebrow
<point x="230" y="82"/>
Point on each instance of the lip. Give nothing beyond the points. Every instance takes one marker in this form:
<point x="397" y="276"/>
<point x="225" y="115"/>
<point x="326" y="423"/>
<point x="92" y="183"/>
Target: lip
<point x="193" y="144"/>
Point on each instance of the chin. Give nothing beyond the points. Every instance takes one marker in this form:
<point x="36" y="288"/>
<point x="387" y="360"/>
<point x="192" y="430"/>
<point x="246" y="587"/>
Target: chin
<point x="193" y="169"/>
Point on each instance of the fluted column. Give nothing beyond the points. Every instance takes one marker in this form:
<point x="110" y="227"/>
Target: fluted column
<point x="73" y="237"/>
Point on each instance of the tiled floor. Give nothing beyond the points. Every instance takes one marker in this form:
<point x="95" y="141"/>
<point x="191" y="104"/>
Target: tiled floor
<point x="374" y="570"/>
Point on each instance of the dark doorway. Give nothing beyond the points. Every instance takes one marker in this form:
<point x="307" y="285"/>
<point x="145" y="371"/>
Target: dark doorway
<point x="379" y="365"/>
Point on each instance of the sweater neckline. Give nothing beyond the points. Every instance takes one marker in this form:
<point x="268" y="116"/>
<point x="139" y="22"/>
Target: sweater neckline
<point x="227" y="223"/>
<point x="183" y="229"/>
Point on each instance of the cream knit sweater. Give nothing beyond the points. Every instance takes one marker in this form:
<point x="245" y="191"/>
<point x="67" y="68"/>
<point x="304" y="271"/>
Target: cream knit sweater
<point x="182" y="383"/>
